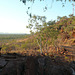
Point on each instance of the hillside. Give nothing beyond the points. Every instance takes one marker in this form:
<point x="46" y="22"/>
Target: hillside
<point x="57" y="39"/>
<point x="51" y="51"/>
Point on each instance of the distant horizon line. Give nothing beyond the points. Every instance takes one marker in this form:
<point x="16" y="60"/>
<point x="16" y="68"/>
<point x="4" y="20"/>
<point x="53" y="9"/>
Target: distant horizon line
<point x="12" y="33"/>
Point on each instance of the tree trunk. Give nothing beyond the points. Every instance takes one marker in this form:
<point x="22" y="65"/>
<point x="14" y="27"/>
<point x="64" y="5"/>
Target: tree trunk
<point x="40" y="45"/>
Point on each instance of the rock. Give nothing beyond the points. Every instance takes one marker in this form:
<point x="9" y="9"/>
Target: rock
<point x="61" y="70"/>
<point x="13" y="68"/>
<point x="30" y="66"/>
<point x="72" y="65"/>
<point x="41" y="62"/>
<point x="36" y="65"/>
<point x="2" y="63"/>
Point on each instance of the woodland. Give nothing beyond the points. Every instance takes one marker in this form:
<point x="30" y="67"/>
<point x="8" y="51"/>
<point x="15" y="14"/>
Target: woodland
<point x="48" y="50"/>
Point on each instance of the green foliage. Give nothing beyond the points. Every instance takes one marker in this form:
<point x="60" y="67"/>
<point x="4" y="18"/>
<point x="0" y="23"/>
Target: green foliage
<point x="29" y="44"/>
<point x="58" y="18"/>
<point x="71" y="15"/>
<point x="67" y="58"/>
<point x="68" y="28"/>
<point x="24" y="46"/>
<point x="5" y="48"/>
<point x="36" y="23"/>
<point x="10" y="38"/>
<point x="49" y="42"/>
<point x="51" y="22"/>
<point x="51" y="32"/>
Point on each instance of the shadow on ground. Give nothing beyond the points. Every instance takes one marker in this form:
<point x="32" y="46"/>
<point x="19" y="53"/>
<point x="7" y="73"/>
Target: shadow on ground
<point x="15" y="64"/>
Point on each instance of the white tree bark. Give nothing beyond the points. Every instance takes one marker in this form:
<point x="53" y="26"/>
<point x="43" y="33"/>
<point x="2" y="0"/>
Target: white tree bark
<point x="40" y="45"/>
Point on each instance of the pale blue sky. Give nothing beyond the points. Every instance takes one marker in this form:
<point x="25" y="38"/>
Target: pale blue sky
<point x="13" y="17"/>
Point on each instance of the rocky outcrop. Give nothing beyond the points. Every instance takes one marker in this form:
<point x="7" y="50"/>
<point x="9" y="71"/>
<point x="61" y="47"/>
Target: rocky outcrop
<point x="35" y="65"/>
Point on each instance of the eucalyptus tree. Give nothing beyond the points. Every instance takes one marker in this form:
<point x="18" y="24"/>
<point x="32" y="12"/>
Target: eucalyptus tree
<point x="36" y="24"/>
<point x="42" y="31"/>
<point x="51" y="22"/>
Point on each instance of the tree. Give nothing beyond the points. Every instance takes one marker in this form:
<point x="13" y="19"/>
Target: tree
<point x="36" y="23"/>
<point x="49" y="34"/>
<point x="43" y="31"/>
<point x="58" y="18"/>
<point x="51" y="22"/>
<point x="71" y="15"/>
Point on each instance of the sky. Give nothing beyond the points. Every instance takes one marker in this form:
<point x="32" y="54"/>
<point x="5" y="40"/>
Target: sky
<point x="14" y="19"/>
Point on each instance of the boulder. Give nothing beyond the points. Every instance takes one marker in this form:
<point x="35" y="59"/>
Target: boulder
<point x="61" y="70"/>
<point x="36" y="65"/>
<point x="2" y="63"/>
<point x="30" y="66"/>
<point x="13" y="68"/>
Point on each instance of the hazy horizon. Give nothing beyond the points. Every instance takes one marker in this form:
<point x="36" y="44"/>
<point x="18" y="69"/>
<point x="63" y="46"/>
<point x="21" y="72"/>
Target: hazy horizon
<point x="12" y="33"/>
